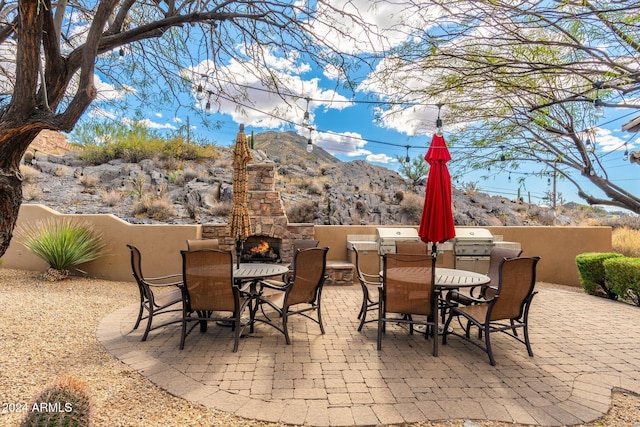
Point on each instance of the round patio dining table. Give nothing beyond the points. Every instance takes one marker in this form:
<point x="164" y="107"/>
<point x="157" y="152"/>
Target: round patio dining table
<point x="450" y="278"/>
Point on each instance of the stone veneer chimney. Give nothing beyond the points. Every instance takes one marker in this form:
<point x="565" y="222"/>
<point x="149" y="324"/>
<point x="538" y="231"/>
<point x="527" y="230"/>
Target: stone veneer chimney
<point x="266" y="211"/>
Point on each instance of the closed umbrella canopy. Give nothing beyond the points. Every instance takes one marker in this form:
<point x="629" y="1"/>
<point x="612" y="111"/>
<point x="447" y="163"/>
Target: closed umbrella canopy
<point x="240" y="223"/>
<point x="436" y="224"/>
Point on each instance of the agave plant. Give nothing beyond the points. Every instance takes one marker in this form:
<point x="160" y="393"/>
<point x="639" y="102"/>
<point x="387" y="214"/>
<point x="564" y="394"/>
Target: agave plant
<point x="62" y="243"/>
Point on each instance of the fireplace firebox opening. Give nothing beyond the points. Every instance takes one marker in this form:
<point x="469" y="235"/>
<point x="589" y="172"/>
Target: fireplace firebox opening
<point x="261" y="249"/>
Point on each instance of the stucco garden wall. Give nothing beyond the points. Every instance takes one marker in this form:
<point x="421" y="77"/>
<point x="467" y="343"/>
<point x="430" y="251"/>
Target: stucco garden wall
<point x="161" y="245"/>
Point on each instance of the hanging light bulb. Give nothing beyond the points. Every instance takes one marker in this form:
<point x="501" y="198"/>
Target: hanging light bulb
<point x="598" y="108"/>
<point x="439" y="127"/>
<point x="306" y="121"/>
<point x="625" y="157"/>
<point x="439" y="121"/>
<point x="407" y="159"/>
<point x="200" y="90"/>
<point x="121" y="55"/>
<point x="309" y="145"/>
<point x="509" y="178"/>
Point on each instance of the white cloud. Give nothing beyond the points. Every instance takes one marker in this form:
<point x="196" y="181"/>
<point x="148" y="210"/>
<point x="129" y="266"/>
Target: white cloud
<point x="108" y="92"/>
<point x="348" y="144"/>
<point x="607" y="142"/>
<point x="380" y="158"/>
<point x="149" y="124"/>
<point x="248" y="101"/>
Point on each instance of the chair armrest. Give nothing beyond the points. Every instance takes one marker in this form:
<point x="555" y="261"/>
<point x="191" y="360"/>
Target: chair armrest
<point x="283" y="287"/>
<point x="371" y="277"/>
<point x="149" y="281"/>
<point x="468" y="300"/>
<point x="371" y="283"/>
<point x="483" y="291"/>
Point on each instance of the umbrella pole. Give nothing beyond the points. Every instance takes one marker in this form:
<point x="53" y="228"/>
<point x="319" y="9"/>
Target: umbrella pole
<point x="239" y="249"/>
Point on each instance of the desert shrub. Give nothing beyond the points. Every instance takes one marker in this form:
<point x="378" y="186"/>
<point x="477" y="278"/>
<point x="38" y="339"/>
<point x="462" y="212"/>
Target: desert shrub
<point x="29" y="174"/>
<point x="314" y="189"/>
<point x="411" y="208"/>
<point x="156" y="209"/>
<point x="399" y="196"/>
<point x="61" y="243"/>
<point x="32" y="192"/>
<point x="90" y="181"/>
<point x="303" y="211"/>
<point x="626" y="241"/>
<point x="111" y="197"/>
<point x="592" y="273"/>
<point x="623" y="277"/>
<point x="66" y="402"/>
<point x="221" y="209"/>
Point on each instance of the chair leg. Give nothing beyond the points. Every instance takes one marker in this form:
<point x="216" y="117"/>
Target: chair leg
<point x="445" y="328"/>
<point x="285" y="316"/>
<point x="526" y="337"/>
<point x="319" y="309"/>
<point x="183" y="333"/>
<point x="513" y="328"/>
<point x="236" y="335"/>
<point x="487" y="341"/>
<point x="149" y="321"/>
<point x="363" y="319"/>
<point x="381" y="323"/>
<point x="139" y="315"/>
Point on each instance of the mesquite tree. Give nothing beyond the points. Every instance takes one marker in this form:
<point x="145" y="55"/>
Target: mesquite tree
<point x="51" y="53"/>
<point x="519" y="81"/>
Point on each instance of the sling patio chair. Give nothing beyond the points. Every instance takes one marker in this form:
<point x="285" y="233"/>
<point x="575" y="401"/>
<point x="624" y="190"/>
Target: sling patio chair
<point x="488" y="290"/>
<point x="158" y="295"/>
<point x="369" y="284"/>
<point x="408" y="290"/>
<point x="506" y="312"/>
<point x="300" y="294"/>
<point x="209" y="292"/>
<point x="409" y="247"/>
<point x="195" y="244"/>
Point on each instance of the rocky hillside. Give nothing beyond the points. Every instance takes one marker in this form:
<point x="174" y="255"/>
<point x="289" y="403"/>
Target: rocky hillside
<point x="315" y="187"/>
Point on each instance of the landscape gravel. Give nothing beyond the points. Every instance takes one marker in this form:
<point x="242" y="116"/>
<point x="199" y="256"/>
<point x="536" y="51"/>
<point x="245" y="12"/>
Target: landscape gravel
<point x="47" y="330"/>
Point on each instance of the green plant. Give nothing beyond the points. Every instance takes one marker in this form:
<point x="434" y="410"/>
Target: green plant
<point x="623" y="277"/>
<point x="61" y="243"/>
<point x="66" y="402"/>
<point x="592" y="274"/>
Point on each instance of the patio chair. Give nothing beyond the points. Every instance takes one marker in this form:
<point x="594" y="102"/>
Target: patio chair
<point x="304" y="244"/>
<point x="195" y="244"/>
<point x="209" y="292"/>
<point x="408" y="290"/>
<point x="512" y="301"/>
<point x="153" y="301"/>
<point x="486" y="291"/>
<point x="369" y="284"/>
<point x="418" y="248"/>
<point x="301" y="294"/>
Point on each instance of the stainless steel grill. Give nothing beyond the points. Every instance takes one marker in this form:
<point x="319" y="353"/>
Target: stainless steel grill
<point x="387" y="238"/>
<point x="472" y="248"/>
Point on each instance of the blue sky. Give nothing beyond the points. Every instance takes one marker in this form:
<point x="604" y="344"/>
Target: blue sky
<point x="349" y="131"/>
<point x="346" y="122"/>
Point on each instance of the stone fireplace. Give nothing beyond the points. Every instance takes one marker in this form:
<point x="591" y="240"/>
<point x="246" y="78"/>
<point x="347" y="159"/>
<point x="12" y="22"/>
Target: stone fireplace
<point x="268" y="219"/>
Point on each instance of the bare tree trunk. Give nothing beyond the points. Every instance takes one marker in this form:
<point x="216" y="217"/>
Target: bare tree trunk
<point x="11" y="152"/>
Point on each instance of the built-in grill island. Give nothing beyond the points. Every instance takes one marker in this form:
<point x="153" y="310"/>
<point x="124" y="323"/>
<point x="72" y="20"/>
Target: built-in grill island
<point x="472" y="248"/>
<point x="387" y="238"/>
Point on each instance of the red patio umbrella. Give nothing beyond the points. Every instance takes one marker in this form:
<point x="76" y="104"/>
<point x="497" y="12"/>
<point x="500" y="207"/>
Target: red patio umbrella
<point x="436" y="224"/>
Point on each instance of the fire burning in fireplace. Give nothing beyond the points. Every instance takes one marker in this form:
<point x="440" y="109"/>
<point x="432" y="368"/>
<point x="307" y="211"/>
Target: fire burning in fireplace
<point x="260" y="250"/>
